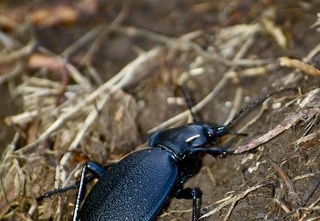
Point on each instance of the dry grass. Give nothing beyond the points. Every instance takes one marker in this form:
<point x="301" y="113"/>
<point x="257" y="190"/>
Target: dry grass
<point x="70" y="114"/>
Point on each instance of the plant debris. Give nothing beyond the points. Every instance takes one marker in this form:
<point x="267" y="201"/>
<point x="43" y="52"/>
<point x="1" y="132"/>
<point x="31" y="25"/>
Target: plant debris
<point x="94" y="79"/>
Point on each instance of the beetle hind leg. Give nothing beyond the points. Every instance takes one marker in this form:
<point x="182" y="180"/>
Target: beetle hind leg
<point x="194" y="194"/>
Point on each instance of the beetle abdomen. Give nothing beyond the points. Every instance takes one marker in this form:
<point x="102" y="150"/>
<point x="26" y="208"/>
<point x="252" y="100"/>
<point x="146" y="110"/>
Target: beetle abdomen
<point x="135" y="189"/>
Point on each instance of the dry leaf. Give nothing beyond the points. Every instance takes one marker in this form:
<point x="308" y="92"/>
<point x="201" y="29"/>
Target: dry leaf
<point x="48" y="17"/>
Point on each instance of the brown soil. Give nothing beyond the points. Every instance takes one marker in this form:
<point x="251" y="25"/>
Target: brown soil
<point x="93" y="79"/>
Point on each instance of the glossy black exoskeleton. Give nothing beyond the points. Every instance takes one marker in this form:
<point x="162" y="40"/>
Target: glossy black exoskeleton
<point x="140" y="185"/>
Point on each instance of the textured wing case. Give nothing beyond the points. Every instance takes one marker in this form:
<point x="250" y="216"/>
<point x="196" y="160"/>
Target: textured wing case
<point x="135" y="189"/>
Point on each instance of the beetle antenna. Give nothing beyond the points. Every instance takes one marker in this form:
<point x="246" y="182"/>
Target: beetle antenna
<point x="189" y="102"/>
<point x="252" y="104"/>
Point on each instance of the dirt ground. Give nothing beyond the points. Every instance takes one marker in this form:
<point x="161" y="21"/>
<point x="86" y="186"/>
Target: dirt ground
<point x="91" y="80"/>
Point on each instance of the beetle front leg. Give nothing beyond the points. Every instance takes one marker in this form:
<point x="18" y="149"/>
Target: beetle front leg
<point x="98" y="172"/>
<point x="217" y="151"/>
<point x="195" y="195"/>
<point x="214" y="151"/>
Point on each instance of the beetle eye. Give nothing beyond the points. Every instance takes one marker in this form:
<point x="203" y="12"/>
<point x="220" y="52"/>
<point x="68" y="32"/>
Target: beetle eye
<point x="210" y="132"/>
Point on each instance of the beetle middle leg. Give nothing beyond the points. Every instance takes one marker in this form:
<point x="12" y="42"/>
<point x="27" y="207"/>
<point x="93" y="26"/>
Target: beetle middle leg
<point x="97" y="171"/>
<point x="195" y="195"/>
<point x="73" y="186"/>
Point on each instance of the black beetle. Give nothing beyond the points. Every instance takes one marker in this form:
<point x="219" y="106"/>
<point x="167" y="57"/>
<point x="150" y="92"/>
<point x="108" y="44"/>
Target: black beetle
<point x="139" y="186"/>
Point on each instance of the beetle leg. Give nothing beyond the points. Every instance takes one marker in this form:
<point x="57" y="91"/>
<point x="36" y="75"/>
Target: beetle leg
<point x="194" y="194"/>
<point x="214" y="151"/>
<point x="218" y="152"/>
<point x="98" y="172"/>
<point x="73" y="186"/>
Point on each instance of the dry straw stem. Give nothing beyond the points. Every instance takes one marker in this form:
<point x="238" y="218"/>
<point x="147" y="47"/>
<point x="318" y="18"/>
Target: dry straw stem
<point x="300" y="65"/>
<point x="221" y="85"/>
<point x="14" y="72"/>
<point x="196" y="108"/>
<point x="316" y="25"/>
<point x="229" y="75"/>
<point x="311" y="54"/>
<point x="34" y="88"/>
<point x="236" y="104"/>
<point x="307" y="138"/>
<point x="306" y="210"/>
<point x="117" y="82"/>
<point x="85" y="39"/>
<point x="233" y="201"/>
<point x="90" y="119"/>
<point x="303" y="212"/>
<point x="275" y="31"/>
<point x="73" y="72"/>
<point x="185" y="42"/>
<point x="263" y="108"/>
<point x="16" y="55"/>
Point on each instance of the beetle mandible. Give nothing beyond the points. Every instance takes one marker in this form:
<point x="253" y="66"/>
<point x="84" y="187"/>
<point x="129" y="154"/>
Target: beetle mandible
<point x="140" y="185"/>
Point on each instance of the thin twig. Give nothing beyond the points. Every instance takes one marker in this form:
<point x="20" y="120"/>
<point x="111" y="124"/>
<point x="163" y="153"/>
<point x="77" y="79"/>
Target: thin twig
<point x="85" y="39"/>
